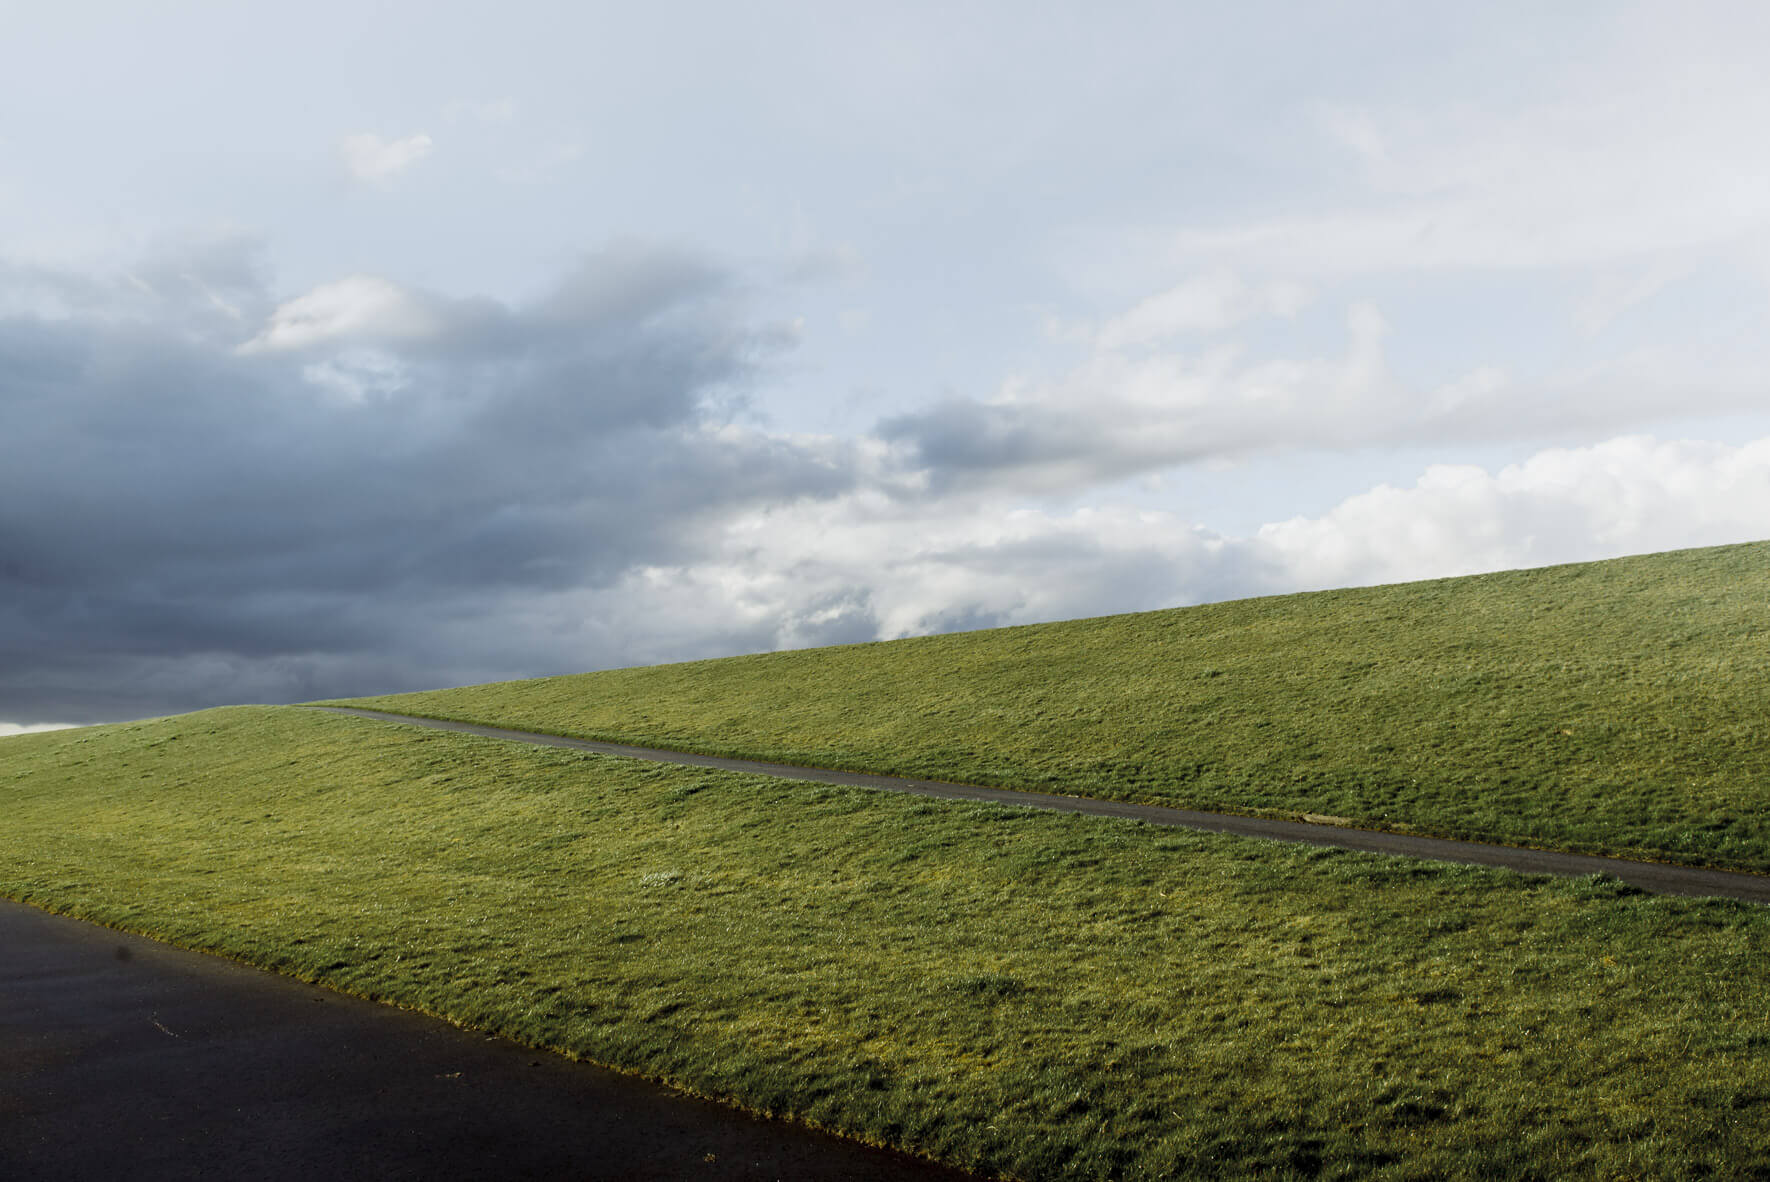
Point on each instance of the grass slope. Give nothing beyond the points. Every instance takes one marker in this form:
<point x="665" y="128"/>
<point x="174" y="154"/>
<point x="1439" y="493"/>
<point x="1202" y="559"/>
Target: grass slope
<point x="1611" y="707"/>
<point x="1044" y="995"/>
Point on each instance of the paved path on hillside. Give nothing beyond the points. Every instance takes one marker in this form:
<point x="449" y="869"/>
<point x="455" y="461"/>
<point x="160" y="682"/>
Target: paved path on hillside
<point x="124" y="1058"/>
<point x="1649" y="876"/>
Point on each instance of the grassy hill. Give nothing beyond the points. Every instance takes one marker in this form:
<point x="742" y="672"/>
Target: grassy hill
<point x="1612" y="707"/>
<point x="1043" y="995"/>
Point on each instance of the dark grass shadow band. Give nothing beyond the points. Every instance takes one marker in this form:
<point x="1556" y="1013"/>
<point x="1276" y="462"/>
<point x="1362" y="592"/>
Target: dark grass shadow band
<point x="1656" y="877"/>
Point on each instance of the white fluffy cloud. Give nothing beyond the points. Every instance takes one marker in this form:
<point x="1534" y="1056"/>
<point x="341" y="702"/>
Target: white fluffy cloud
<point x="375" y="160"/>
<point x="8" y="729"/>
<point x="1629" y="495"/>
<point x="1209" y="303"/>
<point x="355" y="308"/>
<point x="867" y="566"/>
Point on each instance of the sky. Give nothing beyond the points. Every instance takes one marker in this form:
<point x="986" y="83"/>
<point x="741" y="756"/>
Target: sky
<point x="351" y="348"/>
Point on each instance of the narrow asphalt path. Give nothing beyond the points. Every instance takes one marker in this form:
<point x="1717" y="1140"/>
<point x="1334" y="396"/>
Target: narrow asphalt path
<point x="121" y="1057"/>
<point x="1657" y="877"/>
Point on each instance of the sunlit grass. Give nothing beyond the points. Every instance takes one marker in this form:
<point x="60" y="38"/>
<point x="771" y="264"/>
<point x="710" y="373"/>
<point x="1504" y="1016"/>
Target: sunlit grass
<point x="1039" y="994"/>
<point x="1613" y="707"/>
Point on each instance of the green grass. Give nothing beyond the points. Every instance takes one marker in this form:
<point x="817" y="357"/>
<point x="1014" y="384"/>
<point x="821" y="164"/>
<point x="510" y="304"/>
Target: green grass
<point x="1611" y="707"/>
<point x="1043" y="995"/>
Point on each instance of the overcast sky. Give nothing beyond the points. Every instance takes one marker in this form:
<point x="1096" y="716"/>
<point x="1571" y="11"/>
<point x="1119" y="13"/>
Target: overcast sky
<point x="350" y="348"/>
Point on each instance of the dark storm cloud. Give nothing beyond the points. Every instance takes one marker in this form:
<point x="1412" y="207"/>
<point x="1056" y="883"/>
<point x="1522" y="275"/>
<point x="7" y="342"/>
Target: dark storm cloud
<point x="967" y="443"/>
<point x="185" y="522"/>
<point x="965" y="435"/>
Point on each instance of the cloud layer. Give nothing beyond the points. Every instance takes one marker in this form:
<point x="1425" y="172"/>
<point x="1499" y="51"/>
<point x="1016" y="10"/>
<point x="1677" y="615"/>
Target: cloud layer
<point x="371" y="159"/>
<point x="211" y="495"/>
<point x="186" y="519"/>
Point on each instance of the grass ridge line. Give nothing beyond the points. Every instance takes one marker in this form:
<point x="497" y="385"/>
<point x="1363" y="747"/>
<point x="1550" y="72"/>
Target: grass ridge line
<point x="1611" y="708"/>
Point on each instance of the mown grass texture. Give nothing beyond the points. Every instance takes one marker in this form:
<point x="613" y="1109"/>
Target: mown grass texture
<point x="1609" y="707"/>
<point x="1040" y="995"/>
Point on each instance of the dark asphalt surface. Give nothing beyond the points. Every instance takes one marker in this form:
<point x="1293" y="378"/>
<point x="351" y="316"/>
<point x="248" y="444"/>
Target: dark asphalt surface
<point x="123" y="1058"/>
<point x="1656" y="877"/>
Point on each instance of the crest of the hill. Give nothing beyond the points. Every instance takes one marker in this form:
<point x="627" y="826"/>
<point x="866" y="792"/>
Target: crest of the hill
<point x="1612" y="706"/>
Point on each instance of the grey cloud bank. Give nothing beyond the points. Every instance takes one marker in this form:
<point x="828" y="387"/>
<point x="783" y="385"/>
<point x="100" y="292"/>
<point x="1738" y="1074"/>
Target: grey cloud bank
<point x="183" y="521"/>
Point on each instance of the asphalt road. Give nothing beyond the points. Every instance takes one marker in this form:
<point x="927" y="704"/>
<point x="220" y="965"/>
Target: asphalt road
<point x="1656" y="877"/>
<point x="122" y="1058"/>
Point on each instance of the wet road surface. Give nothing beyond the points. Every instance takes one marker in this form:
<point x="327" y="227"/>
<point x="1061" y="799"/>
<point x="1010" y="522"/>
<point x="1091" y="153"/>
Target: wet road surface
<point x="123" y="1058"/>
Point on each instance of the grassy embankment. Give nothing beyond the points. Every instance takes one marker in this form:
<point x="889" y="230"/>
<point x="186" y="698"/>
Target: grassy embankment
<point x="1611" y="707"/>
<point x="1045" y="995"/>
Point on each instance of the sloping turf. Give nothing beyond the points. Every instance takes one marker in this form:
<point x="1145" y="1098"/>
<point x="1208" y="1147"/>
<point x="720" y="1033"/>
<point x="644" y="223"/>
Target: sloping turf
<point x="1612" y="707"/>
<point x="1051" y="996"/>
